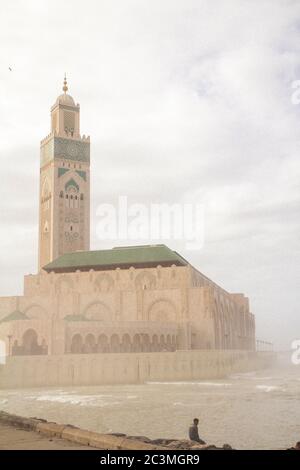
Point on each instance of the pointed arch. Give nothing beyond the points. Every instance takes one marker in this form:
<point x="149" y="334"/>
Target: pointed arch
<point x="98" y="311"/>
<point x="36" y="312"/>
<point x="77" y="344"/>
<point x="71" y="183"/>
<point x="163" y="310"/>
<point x="104" y="282"/>
<point x="145" y="280"/>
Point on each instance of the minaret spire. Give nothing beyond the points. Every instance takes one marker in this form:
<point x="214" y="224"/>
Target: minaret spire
<point x="64" y="225"/>
<point x="65" y="87"/>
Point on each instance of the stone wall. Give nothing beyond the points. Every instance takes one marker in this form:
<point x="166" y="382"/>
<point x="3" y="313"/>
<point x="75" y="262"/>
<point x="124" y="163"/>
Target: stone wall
<point x="177" y="301"/>
<point x="100" y="369"/>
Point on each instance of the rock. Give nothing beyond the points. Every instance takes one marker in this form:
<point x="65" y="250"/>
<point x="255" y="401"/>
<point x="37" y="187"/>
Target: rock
<point x="50" y="429"/>
<point x="29" y="424"/>
<point x="162" y="442"/>
<point x="41" y="420"/>
<point x="140" y="438"/>
<point x="227" y="447"/>
<point x="296" y="447"/>
<point x="182" y="444"/>
<point x="205" y="447"/>
<point x="117" y="441"/>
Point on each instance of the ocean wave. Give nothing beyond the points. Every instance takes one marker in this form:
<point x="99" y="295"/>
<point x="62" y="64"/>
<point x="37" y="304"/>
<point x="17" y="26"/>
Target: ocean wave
<point x="215" y="384"/>
<point x="251" y="376"/>
<point x="172" y="383"/>
<point x="179" y="403"/>
<point x="208" y="384"/>
<point x="72" y="399"/>
<point x="267" y="388"/>
<point x="243" y="375"/>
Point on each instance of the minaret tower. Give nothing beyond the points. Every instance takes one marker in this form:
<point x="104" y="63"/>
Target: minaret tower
<point x="64" y="224"/>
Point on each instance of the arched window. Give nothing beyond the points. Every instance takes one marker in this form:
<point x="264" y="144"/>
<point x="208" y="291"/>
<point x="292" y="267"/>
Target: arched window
<point x="89" y="344"/>
<point x="30" y="344"/>
<point x="103" y="344"/>
<point x="72" y="191"/>
<point x="77" y="344"/>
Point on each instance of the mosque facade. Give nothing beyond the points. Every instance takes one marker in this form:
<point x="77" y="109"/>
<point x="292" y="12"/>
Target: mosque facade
<point x="127" y="299"/>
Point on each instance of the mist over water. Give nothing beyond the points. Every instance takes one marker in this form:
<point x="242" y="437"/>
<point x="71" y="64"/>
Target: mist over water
<point x="257" y="410"/>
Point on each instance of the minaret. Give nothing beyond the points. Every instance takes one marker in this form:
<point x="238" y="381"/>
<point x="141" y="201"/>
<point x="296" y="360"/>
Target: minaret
<point x="64" y="183"/>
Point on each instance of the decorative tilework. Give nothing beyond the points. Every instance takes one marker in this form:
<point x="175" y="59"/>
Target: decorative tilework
<point x="71" y="182"/>
<point x="82" y="174"/>
<point x="71" y="149"/>
<point x="62" y="171"/>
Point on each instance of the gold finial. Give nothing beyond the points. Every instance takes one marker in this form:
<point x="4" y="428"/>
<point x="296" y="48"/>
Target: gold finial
<point x="65" y="87"/>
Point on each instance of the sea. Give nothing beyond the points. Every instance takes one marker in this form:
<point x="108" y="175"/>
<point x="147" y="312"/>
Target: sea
<point x="255" y="410"/>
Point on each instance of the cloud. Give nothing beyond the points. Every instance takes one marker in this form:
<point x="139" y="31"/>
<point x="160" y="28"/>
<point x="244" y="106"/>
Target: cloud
<point x="184" y="100"/>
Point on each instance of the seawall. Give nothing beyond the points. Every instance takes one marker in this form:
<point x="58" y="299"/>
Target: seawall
<point x="83" y="437"/>
<point x="73" y="434"/>
<point x="133" y="368"/>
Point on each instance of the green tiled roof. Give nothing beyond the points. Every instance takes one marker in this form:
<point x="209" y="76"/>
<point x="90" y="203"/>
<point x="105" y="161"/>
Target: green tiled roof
<point x="14" y="316"/>
<point x="123" y="257"/>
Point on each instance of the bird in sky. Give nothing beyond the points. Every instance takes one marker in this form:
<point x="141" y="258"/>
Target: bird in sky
<point x="10" y="69"/>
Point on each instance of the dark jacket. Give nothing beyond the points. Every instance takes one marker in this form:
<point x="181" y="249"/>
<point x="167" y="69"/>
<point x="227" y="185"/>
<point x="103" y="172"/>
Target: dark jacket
<point x="194" y="434"/>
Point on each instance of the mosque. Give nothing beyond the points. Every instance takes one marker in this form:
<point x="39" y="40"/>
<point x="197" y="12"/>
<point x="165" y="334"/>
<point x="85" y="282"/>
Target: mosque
<point x="123" y="300"/>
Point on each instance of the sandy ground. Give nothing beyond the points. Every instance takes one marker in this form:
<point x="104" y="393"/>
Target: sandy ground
<point x="17" y="439"/>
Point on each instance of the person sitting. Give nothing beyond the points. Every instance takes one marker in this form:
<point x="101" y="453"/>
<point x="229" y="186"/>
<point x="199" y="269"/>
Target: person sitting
<point x="193" y="432"/>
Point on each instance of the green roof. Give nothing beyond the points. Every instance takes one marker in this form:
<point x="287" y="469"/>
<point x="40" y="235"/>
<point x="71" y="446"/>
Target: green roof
<point x="122" y="257"/>
<point x="16" y="315"/>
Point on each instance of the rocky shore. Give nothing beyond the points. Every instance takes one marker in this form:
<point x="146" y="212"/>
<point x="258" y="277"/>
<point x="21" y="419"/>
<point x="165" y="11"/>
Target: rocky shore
<point x="114" y="441"/>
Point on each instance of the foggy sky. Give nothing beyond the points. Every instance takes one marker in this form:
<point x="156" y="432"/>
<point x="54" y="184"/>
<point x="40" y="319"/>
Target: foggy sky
<point x="183" y="99"/>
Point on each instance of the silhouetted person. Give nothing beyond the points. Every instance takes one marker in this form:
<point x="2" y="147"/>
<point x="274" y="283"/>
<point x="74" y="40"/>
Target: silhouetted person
<point x="193" y="432"/>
